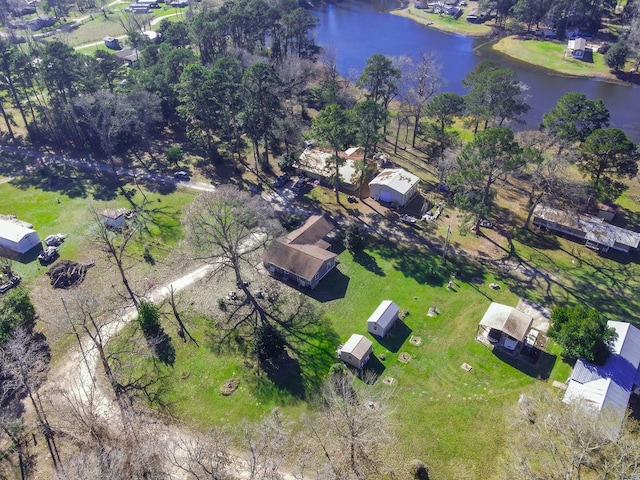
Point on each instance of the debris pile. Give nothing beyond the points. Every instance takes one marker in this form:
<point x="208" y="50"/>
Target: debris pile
<point x="67" y="274"/>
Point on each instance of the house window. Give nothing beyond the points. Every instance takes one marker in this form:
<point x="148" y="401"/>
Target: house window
<point x="375" y="327"/>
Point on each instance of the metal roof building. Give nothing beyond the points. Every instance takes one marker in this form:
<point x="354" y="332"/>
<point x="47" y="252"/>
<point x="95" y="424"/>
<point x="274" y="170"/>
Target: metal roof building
<point x="608" y="387"/>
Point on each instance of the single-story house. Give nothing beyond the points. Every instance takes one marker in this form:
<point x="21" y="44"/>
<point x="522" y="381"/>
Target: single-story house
<point x="114" y="218"/>
<point x="16" y="236"/>
<point x="394" y="185"/>
<point x="112" y="43"/>
<point x="316" y="162"/>
<point x="607" y="388"/>
<point x="383" y="318"/>
<point x="356" y="351"/>
<point x="505" y="327"/>
<point x="303" y="255"/>
<point x="577" y="47"/>
<point x="128" y="56"/>
<point x="594" y="231"/>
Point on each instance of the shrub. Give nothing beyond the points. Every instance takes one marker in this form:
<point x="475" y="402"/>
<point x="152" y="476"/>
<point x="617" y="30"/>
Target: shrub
<point x="353" y="238"/>
<point x="149" y="318"/>
<point x="286" y="161"/>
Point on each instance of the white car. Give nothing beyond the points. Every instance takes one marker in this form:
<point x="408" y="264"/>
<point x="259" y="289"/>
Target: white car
<point x="54" y="240"/>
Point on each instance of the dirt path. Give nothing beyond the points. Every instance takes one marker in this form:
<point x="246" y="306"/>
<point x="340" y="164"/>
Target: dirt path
<point x="76" y="375"/>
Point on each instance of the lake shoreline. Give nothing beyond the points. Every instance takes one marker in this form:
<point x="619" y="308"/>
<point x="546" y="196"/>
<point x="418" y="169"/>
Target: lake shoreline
<point x="519" y="54"/>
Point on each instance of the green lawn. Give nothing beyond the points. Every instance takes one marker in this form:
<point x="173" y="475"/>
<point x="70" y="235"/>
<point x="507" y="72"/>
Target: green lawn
<point x="445" y="23"/>
<point x="62" y="206"/>
<point x="97" y="26"/>
<point x="550" y="55"/>
<point x="447" y="417"/>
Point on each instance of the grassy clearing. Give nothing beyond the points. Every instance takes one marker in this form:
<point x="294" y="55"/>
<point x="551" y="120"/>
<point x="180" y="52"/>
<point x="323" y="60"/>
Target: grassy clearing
<point x="97" y="26"/>
<point x="62" y="205"/>
<point x="445" y="23"/>
<point x="456" y="415"/>
<point x="550" y="55"/>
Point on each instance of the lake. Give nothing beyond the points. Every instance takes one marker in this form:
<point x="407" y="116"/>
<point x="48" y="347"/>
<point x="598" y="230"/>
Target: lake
<point x="355" y="30"/>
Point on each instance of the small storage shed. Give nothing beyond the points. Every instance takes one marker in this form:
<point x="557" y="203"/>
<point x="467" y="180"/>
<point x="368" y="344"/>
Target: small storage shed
<point x="356" y="351"/>
<point x="383" y="318"/>
<point x="17" y="236"/>
<point x="114" y="218"/>
<point x="394" y="185"/>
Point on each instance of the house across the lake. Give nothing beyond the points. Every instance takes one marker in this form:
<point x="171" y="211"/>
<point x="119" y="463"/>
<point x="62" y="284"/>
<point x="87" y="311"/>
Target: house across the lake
<point x="303" y="255"/>
<point x="594" y="231"/>
<point x="577" y="47"/>
<point x="607" y="388"/>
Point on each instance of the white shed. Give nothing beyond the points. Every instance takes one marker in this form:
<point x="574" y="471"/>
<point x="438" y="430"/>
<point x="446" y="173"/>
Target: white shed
<point x="17" y="236"/>
<point x="356" y="351"/>
<point x="384" y="317"/>
<point x="394" y="185"/>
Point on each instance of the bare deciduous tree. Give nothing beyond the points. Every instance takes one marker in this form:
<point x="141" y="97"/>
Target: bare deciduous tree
<point x="115" y="244"/>
<point x="267" y="446"/>
<point x="202" y="457"/>
<point x="420" y="81"/>
<point x="546" y="170"/>
<point x="24" y="362"/>
<point x="559" y="441"/>
<point x="352" y="429"/>
<point x="228" y="228"/>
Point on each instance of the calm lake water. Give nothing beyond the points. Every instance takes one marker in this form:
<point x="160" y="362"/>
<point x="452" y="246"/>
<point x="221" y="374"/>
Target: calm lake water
<point x="355" y="30"/>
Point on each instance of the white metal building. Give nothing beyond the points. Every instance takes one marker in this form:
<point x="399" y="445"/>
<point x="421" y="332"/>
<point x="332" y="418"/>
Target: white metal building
<point x="17" y="236"/>
<point x="394" y="185"/>
<point x="607" y="388"/>
<point x="383" y="318"/>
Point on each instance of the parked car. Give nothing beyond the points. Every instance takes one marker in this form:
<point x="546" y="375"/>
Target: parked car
<point x="300" y="185"/>
<point x="11" y="282"/>
<point x="485" y="223"/>
<point x="408" y="219"/>
<point x="282" y="180"/>
<point x="54" y="240"/>
<point x="181" y="175"/>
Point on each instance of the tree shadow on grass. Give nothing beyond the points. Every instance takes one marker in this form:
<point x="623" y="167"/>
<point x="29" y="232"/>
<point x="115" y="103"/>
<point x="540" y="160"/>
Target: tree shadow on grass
<point x="544" y="241"/>
<point x="413" y="261"/>
<point x="286" y="374"/>
<point x="369" y="262"/>
<point x="396" y="337"/>
<point x="371" y="371"/>
<point x="332" y="287"/>
<point x="71" y="181"/>
<point x="540" y="369"/>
